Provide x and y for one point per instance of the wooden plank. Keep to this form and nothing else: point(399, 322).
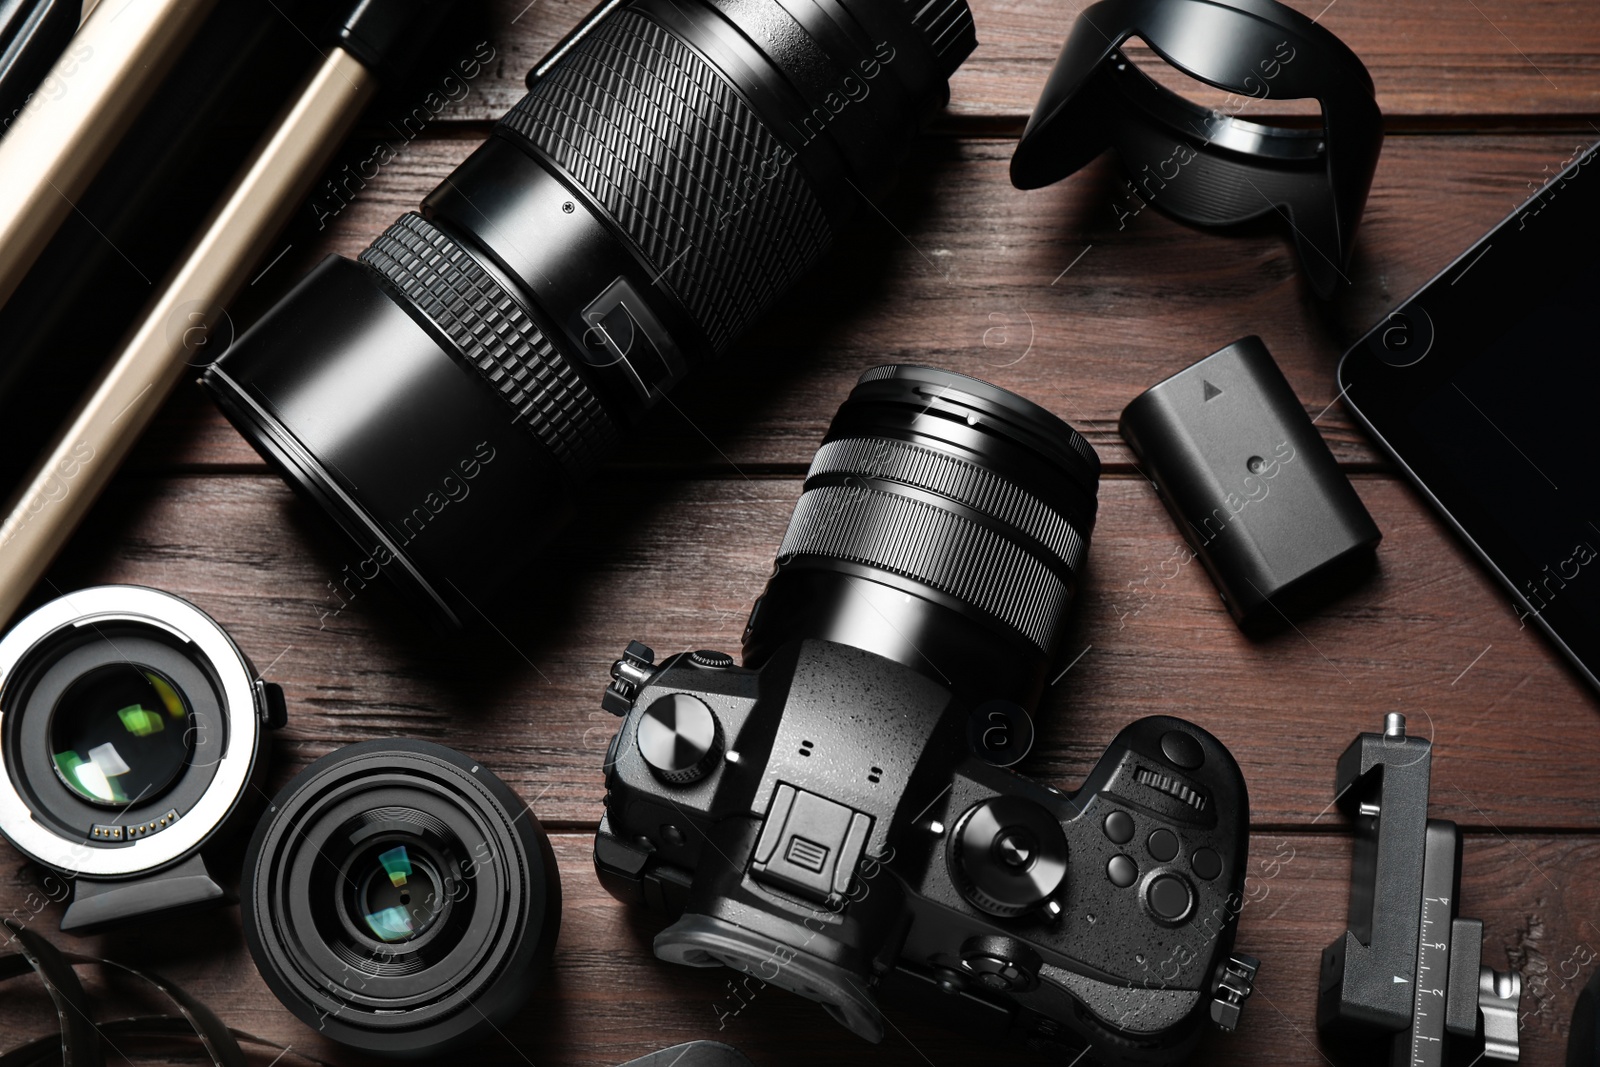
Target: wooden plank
point(1429, 59)
point(677, 564)
point(1040, 292)
point(607, 999)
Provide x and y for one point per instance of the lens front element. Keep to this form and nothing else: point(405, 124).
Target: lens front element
point(120, 735)
point(398, 896)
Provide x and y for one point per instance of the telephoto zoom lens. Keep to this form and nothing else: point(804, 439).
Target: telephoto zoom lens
point(401, 899)
point(675, 166)
point(944, 525)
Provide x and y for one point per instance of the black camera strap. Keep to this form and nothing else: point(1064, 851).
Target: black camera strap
point(79, 1042)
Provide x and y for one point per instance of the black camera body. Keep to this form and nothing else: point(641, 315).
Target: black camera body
point(824, 825)
point(835, 816)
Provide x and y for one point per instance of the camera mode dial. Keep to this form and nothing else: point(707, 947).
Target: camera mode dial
point(679, 738)
point(1008, 855)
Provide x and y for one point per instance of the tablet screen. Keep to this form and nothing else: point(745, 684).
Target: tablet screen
point(1518, 427)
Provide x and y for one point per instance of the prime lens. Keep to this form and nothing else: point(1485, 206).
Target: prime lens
point(131, 730)
point(675, 166)
point(944, 524)
point(401, 899)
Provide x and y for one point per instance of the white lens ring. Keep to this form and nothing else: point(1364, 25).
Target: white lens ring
point(94, 607)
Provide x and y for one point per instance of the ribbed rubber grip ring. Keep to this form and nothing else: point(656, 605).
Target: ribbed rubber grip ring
point(676, 158)
point(494, 335)
point(947, 24)
point(965, 483)
point(931, 545)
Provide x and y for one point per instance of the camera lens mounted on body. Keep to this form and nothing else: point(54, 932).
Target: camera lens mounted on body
point(944, 525)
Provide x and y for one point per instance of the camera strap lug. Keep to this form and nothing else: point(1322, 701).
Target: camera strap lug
point(629, 675)
point(1234, 983)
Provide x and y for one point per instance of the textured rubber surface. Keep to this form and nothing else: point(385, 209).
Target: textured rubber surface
point(492, 332)
point(966, 483)
point(931, 545)
point(685, 169)
point(947, 24)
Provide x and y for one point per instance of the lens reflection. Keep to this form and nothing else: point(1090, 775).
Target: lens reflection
point(119, 735)
point(398, 894)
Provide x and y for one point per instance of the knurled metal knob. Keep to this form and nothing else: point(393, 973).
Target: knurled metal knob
point(1008, 855)
point(679, 738)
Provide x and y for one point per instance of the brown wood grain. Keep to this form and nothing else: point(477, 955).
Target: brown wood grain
point(1431, 61)
point(1483, 100)
point(963, 271)
point(607, 999)
point(678, 563)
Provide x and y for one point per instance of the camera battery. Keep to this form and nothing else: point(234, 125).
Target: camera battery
point(1250, 483)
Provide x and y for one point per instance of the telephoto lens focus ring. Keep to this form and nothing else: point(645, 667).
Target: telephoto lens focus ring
point(496, 337)
point(675, 167)
point(944, 524)
point(401, 900)
point(948, 28)
point(667, 147)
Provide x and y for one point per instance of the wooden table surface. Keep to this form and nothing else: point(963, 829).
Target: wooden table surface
point(1483, 100)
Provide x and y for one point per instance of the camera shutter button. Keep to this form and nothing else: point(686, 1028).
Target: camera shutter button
point(679, 738)
point(1182, 750)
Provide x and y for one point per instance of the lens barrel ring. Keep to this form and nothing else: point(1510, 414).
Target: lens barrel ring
point(947, 24)
point(982, 490)
point(664, 143)
point(944, 524)
point(932, 545)
point(495, 336)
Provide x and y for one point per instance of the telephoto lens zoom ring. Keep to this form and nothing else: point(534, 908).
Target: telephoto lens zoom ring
point(495, 335)
point(965, 483)
point(663, 142)
point(929, 544)
point(948, 28)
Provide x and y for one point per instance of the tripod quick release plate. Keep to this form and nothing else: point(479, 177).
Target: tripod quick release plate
point(1408, 974)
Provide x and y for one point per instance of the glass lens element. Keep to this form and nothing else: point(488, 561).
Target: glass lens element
point(120, 735)
point(398, 896)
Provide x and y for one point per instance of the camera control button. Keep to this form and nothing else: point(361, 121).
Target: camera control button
point(679, 738)
point(1163, 845)
point(1182, 750)
point(1122, 871)
point(1206, 863)
point(1119, 827)
point(710, 659)
point(1008, 855)
point(1169, 898)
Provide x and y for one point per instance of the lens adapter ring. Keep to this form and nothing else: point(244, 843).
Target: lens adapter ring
point(139, 606)
point(1204, 166)
point(497, 906)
